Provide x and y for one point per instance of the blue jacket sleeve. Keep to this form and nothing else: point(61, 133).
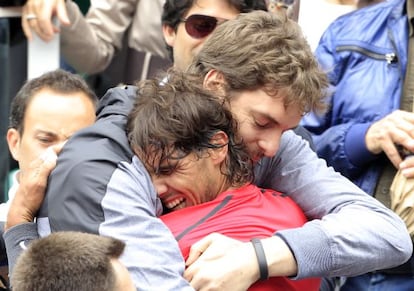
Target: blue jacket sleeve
point(339, 135)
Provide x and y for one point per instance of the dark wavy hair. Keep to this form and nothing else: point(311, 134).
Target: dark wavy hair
point(180, 116)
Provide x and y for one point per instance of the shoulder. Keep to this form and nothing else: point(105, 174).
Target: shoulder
point(362, 21)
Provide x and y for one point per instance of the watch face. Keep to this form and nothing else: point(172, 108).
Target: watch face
point(4, 3)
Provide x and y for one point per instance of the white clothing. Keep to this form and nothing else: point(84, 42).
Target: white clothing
point(4, 207)
point(316, 15)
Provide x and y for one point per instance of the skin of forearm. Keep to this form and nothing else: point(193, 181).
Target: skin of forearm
point(279, 257)
point(18, 213)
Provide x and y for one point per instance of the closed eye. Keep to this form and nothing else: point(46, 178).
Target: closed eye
point(47, 140)
point(262, 125)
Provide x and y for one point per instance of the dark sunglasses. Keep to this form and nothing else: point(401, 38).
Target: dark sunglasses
point(200, 26)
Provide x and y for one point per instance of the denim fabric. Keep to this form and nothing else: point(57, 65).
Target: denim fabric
point(379, 282)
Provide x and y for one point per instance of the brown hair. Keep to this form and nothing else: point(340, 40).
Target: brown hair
point(68, 261)
point(265, 50)
point(179, 115)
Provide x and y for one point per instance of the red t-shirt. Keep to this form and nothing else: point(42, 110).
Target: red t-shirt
point(246, 213)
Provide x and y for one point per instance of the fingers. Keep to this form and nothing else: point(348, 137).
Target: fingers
point(40, 168)
point(26, 24)
point(407, 167)
point(32, 187)
point(189, 273)
point(62, 13)
point(37, 17)
point(49, 158)
point(58, 147)
point(35, 177)
point(395, 129)
point(390, 149)
point(225, 265)
point(197, 249)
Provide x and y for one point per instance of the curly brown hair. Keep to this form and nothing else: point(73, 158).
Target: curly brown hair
point(260, 50)
point(180, 116)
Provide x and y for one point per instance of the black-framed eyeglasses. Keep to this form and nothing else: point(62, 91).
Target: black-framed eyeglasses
point(199, 26)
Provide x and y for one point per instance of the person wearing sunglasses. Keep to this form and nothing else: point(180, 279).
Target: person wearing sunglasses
point(186, 24)
point(89, 43)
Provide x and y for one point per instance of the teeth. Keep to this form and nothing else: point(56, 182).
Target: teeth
point(174, 203)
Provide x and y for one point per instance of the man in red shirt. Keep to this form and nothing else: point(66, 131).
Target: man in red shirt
point(186, 138)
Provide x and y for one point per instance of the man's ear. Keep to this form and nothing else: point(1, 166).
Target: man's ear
point(169, 34)
point(219, 154)
point(13, 141)
point(215, 81)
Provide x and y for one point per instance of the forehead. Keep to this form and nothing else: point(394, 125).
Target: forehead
point(260, 104)
point(154, 157)
point(217, 8)
point(57, 109)
point(47, 99)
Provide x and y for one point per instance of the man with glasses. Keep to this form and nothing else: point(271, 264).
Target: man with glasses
point(97, 187)
point(89, 43)
point(186, 24)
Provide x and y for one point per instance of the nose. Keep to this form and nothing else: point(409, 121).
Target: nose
point(160, 185)
point(269, 145)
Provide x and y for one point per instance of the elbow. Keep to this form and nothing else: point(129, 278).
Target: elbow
point(88, 67)
point(402, 246)
point(407, 250)
point(86, 63)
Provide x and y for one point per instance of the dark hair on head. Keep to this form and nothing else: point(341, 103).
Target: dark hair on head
point(175, 10)
point(365, 3)
point(68, 261)
point(59, 81)
point(265, 51)
point(179, 116)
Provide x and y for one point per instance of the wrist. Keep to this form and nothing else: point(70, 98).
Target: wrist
point(280, 259)
point(261, 259)
point(18, 213)
point(14, 219)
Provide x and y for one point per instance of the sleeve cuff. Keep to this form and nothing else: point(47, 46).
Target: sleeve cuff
point(310, 261)
point(355, 146)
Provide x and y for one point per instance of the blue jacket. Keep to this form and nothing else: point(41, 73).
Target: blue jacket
point(365, 55)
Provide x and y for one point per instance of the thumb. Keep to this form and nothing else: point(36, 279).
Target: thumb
point(49, 156)
point(62, 13)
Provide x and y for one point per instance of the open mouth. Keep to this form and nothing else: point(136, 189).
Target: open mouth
point(175, 204)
